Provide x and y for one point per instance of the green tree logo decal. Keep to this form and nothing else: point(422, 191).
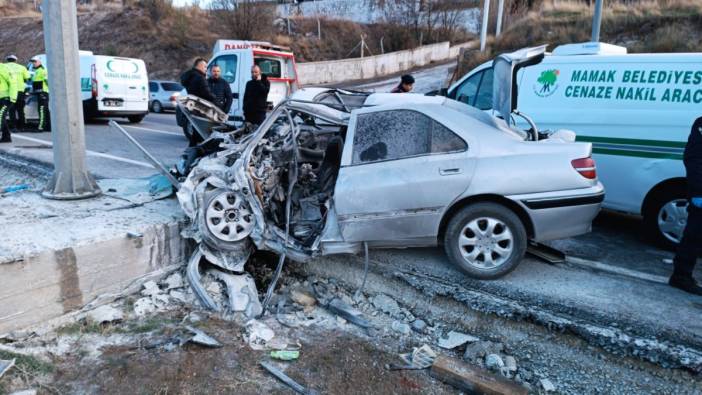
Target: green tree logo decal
point(547, 83)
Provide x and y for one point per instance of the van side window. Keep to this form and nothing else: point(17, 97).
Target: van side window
point(467, 92)
point(484, 98)
point(228, 64)
point(269, 67)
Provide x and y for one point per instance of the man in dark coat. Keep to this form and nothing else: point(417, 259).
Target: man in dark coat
point(195, 81)
point(691, 242)
point(256, 97)
point(220, 89)
point(405, 86)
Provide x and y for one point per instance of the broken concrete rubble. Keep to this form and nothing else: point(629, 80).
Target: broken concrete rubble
point(455, 339)
point(105, 314)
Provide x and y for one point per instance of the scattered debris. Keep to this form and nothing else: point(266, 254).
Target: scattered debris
point(287, 380)
point(25, 392)
point(144, 306)
point(15, 188)
point(202, 338)
point(150, 288)
point(285, 355)
point(105, 314)
point(419, 325)
point(494, 362)
point(387, 305)
point(547, 385)
point(344, 310)
point(303, 298)
point(6, 365)
point(259, 334)
point(401, 327)
point(472, 379)
point(481, 349)
point(455, 339)
point(174, 281)
point(510, 364)
point(421, 357)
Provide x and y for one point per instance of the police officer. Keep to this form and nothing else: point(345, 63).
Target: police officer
point(691, 242)
point(8, 95)
point(40, 86)
point(21, 75)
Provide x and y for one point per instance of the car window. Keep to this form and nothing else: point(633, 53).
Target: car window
point(397, 134)
point(270, 67)
point(228, 64)
point(443, 140)
point(153, 87)
point(171, 86)
point(484, 97)
point(467, 92)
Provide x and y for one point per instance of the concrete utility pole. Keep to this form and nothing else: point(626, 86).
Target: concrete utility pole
point(70, 179)
point(597, 21)
point(500, 10)
point(484, 25)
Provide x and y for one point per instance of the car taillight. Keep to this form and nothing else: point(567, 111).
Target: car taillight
point(93, 81)
point(174, 97)
point(586, 167)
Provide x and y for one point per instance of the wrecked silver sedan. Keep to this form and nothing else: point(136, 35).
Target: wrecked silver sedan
point(322, 176)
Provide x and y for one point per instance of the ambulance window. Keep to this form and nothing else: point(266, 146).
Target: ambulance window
point(484, 97)
point(269, 67)
point(228, 64)
point(467, 92)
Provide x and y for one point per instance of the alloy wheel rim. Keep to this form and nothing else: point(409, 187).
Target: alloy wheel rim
point(486, 243)
point(672, 219)
point(228, 217)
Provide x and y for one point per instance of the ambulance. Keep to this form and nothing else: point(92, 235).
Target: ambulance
point(636, 109)
point(110, 87)
point(236, 57)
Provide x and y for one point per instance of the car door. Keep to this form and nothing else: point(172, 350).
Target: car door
point(400, 169)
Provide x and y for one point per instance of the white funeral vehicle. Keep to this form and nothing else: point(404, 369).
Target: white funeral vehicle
point(636, 110)
point(110, 87)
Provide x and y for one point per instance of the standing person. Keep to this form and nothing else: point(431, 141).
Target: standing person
point(256, 97)
point(8, 95)
point(220, 89)
point(691, 242)
point(21, 75)
point(40, 86)
point(195, 83)
point(405, 86)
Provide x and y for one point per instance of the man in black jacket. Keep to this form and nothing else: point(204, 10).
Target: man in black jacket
point(195, 81)
point(691, 242)
point(256, 97)
point(220, 89)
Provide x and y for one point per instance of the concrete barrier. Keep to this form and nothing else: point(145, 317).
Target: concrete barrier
point(333, 71)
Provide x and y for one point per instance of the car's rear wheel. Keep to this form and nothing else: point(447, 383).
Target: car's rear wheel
point(156, 106)
point(485, 240)
point(666, 216)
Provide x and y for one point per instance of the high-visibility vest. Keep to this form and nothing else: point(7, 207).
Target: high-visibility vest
point(41, 79)
point(8, 85)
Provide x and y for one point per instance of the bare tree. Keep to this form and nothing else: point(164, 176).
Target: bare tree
point(243, 19)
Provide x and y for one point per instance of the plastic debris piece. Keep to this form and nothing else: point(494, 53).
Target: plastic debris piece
point(421, 357)
point(15, 188)
point(6, 365)
point(202, 338)
point(285, 355)
point(345, 311)
point(287, 380)
point(455, 339)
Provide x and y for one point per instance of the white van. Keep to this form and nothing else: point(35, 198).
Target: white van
point(110, 87)
point(236, 57)
point(636, 109)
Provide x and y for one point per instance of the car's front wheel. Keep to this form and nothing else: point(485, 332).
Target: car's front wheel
point(485, 240)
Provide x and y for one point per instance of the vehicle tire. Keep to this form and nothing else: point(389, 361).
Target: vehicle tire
point(136, 118)
point(665, 216)
point(485, 240)
point(225, 219)
point(156, 107)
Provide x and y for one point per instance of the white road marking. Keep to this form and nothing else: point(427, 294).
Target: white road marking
point(586, 263)
point(153, 130)
point(88, 152)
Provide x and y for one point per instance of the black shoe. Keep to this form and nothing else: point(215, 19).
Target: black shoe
point(685, 283)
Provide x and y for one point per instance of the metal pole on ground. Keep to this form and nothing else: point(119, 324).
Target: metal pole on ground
point(597, 21)
point(484, 25)
point(71, 179)
point(500, 10)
